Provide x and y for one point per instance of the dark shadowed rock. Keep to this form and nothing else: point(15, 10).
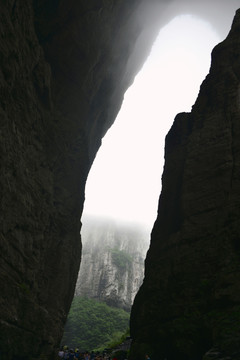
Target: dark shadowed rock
point(63, 75)
point(52, 124)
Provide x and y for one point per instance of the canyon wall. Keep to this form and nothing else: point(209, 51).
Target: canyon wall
point(65, 66)
point(112, 264)
point(62, 82)
point(188, 307)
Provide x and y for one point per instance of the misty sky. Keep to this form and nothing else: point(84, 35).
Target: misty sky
point(125, 180)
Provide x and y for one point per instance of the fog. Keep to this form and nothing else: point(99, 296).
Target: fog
point(125, 179)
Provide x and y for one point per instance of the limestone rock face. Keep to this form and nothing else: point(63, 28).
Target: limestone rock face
point(112, 264)
point(189, 303)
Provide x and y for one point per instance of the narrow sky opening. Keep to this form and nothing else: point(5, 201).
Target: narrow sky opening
point(125, 179)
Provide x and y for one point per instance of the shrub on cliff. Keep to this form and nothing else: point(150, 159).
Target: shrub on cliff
point(121, 259)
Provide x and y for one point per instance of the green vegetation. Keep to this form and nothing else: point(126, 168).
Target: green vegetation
point(120, 258)
point(93, 325)
point(118, 339)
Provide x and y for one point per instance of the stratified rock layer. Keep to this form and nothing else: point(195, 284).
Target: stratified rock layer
point(189, 303)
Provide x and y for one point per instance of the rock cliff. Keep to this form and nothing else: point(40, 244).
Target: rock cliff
point(189, 304)
point(60, 63)
point(112, 264)
point(65, 65)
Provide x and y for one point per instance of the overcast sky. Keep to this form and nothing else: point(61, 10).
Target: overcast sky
point(125, 180)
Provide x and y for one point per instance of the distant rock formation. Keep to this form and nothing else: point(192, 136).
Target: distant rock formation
point(112, 265)
point(189, 303)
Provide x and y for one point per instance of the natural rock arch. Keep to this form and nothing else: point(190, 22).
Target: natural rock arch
point(64, 68)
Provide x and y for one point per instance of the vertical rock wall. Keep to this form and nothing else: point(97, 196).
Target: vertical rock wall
point(112, 263)
point(189, 303)
point(59, 70)
point(40, 200)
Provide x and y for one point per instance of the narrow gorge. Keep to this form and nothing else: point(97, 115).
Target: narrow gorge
point(64, 69)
